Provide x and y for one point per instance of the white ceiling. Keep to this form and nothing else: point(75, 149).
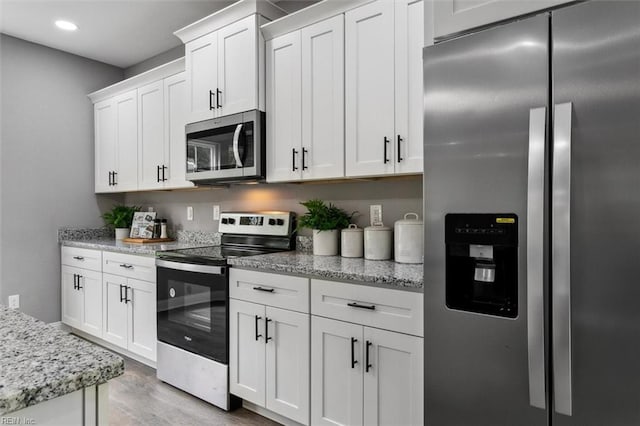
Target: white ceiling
point(117, 32)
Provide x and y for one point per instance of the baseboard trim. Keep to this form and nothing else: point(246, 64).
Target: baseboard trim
point(269, 414)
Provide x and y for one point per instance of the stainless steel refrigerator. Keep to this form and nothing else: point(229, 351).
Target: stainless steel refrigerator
point(532, 221)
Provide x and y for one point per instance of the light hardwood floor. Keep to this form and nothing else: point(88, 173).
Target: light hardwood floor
point(139, 398)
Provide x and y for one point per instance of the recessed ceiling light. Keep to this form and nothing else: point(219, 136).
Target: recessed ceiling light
point(66, 25)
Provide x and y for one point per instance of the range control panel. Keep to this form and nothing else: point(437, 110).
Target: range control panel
point(257, 223)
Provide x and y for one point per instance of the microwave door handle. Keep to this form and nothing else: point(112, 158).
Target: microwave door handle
point(236, 153)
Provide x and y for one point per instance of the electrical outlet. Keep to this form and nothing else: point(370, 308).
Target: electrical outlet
point(14, 301)
point(189, 213)
point(216, 212)
point(375, 213)
point(150, 209)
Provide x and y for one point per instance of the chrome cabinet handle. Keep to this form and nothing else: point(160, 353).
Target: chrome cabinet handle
point(535, 256)
point(561, 258)
point(357, 305)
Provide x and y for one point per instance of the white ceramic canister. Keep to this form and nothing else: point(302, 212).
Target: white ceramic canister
point(408, 237)
point(352, 241)
point(378, 242)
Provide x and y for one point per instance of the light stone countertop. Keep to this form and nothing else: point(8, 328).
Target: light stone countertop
point(39, 362)
point(383, 273)
point(109, 244)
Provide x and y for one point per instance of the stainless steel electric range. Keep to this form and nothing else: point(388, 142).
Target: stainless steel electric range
point(193, 300)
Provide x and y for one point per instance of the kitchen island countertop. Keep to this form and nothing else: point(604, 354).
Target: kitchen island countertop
point(39, 362)
point(384, 273)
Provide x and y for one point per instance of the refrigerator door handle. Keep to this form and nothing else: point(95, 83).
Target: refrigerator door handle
point(560, 254)
point(535, 256)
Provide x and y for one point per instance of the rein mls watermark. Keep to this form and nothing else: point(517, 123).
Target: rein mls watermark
point(17, 421)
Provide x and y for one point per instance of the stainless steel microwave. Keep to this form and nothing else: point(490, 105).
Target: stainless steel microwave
point(226, 149)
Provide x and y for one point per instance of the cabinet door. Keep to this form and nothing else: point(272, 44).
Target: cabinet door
point(323, 99)
point(71, 298)
point(287, 364)
point(237, 67)
point(142, 318)
point(369, 89)
point(91, 291)
point(151, 135)
point(115, 312)
point(201, 65)
point(127, 141)
point(409, 39)
point(247, 351)
point(455, 16)
point(175, 118)
point(393, 385)
point(336, 375)
point(284, 125)
point(105, 144)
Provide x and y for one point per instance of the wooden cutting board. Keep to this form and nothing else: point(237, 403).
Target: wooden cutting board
point(147, 240)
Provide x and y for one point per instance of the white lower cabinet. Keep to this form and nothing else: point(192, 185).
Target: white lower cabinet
point(364, 376)
point(269, 350)
point(130, 314)
point(82, 299)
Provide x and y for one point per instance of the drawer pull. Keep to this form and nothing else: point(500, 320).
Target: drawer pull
point(126, 266)
point(78, 257)
point(357, 305)
point(268, 290)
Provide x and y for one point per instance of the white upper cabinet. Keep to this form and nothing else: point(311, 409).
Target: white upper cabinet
point(175, 119)
point(383, 99)
point(409, 35)
point(305, 99)
point(458, 16)
point(139, 131)
point(150, 135)
point(284, 119)
point(369, 83)
point(201, 64)
point(224, 54)
point(323, 99)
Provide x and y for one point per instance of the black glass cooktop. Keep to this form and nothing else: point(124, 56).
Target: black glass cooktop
point(211, 255)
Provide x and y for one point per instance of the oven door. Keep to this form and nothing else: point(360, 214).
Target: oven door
point(192, 307)
point(222, 148)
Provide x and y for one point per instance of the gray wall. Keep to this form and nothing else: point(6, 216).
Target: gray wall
point(155, 61)
point(397, 196)
point(46, 165)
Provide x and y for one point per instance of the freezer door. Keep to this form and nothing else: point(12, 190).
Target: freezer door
point(596, 214)
point(486, 98)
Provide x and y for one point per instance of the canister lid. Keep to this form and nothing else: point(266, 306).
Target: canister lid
point(352, 228)
point(407, 221)
point(377, 227)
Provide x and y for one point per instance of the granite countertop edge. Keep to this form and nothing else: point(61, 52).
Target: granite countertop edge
point(41, 362)
point(129, 248)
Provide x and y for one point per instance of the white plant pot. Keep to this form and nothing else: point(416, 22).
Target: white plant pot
point(122, 233)
point(325, 243)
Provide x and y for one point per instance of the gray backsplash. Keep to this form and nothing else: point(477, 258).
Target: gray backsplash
point(396, 195)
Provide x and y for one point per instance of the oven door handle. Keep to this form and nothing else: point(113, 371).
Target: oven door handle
point(236, 152)
point(190, 267)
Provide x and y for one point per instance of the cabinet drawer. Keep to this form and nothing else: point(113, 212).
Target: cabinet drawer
point(131, 266)
point(394, 310)
point(280, 291)
point(81, 258)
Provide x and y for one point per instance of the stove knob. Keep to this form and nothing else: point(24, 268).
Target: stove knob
point(280, 222)
point(224, 220)
point(272, 221)
point(231, 221)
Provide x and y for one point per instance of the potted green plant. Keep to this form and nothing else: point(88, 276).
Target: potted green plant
point(120, 218)
point(325, 220)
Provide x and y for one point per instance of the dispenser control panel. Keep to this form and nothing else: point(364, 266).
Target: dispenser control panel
point(482, 263)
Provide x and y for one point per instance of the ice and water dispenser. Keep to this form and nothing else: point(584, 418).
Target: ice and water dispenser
point(482, 263)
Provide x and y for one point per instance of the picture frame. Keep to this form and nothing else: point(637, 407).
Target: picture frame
point(142, 225)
